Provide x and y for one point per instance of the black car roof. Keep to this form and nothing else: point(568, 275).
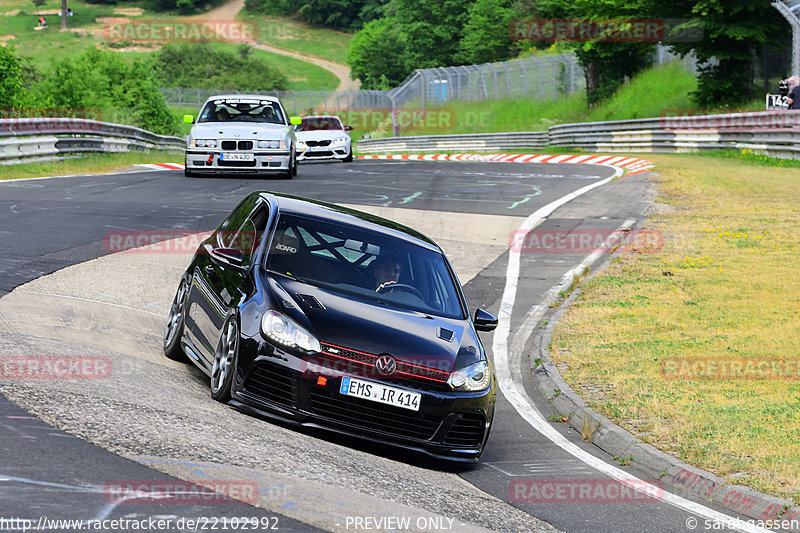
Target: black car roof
point(298, 205)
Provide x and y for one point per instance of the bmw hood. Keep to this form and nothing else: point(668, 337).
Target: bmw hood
point(250, 130)
point(323, 135)
point(343, 322)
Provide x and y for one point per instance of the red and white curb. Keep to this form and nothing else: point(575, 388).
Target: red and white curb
point(163, 166)
point(629, 165)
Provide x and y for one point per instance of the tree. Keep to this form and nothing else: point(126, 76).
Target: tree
point(377, 54)
point(63, 14)
point(606, 65)
point(485, 35)
point(732, 31)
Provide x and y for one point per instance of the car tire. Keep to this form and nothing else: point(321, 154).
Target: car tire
point(225, 361)
point(349, 157)
point(292, 170)
point(175, 323)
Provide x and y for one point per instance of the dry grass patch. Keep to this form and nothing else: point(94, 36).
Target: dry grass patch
point(723, 288)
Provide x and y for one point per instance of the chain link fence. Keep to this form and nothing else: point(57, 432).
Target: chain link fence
point(538, 78)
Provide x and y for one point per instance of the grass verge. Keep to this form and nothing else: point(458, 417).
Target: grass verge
point(721, 290)
point(89, 164)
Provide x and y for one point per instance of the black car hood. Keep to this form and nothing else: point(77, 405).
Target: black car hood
point(350, 323)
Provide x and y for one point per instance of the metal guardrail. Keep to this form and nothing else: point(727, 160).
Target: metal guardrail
point(24, 139)
point(774, 133)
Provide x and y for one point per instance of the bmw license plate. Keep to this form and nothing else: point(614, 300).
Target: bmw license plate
point(226, 156)
point(380, 393)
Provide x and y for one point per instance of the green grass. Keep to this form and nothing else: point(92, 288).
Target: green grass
point(298, 37)
point(720, 288)
point(650, 94)
point(43, 46)
point(89, 164)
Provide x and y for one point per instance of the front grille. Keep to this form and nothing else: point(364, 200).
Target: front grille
point(318, 143)
point(365, 366)
point(374, 416)
point(233, 145)
point(322, 153)
point(272, 383)
point(236, 163)
point(467, 430)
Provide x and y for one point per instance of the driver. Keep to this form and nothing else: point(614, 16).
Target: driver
point(223, 115)
point(385, 271)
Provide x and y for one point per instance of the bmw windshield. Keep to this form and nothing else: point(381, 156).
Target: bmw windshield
point(242, 110)
point(371, 266)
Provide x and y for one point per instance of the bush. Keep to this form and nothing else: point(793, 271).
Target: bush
point(121, 90)
point(198, 65)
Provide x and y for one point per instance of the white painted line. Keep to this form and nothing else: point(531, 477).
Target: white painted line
point(513, 390)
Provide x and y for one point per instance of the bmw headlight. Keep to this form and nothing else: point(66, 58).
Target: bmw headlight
point(340, 140)
point(206, 143)
point(284, 330)
point(272, 145)
point(475, 377)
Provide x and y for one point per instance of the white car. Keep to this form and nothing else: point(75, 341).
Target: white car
point(240, 133)
point(323, 137)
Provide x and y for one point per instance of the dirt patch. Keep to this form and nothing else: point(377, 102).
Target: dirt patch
point(12, 13)
point(4, 38)
point(48, 12)
point(113, 20)
point(128, 11)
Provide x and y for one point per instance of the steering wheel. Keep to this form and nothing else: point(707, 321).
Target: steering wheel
point(410, 288)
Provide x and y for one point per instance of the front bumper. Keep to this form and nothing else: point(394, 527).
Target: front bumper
point(339, 151)
point(449, 425)
point(208, 161)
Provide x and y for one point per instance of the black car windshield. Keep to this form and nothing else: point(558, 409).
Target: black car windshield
point(371, 266)
point(320, 124)
point(242, 110)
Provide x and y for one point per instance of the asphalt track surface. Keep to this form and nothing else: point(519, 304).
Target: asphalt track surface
point(50, 224)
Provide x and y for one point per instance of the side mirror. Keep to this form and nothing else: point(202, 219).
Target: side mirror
point(348, 128)
point(484, 320)
point(228, 258)
point(189, 119)
point(295, 121)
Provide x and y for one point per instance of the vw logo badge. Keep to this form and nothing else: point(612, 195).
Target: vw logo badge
point(386, 365)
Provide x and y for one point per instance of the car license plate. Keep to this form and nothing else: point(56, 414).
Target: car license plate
point(380, 393)
point(225, 156)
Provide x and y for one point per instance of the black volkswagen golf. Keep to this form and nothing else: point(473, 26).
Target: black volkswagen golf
point(329, 317)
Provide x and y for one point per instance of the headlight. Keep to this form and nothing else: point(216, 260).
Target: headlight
point(286, 331)
point(273, 145)
point(475, 377)
point(206, 143)
point(340, 140)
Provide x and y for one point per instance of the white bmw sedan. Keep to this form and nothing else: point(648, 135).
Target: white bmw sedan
point(242, 134)
point(323, 137)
